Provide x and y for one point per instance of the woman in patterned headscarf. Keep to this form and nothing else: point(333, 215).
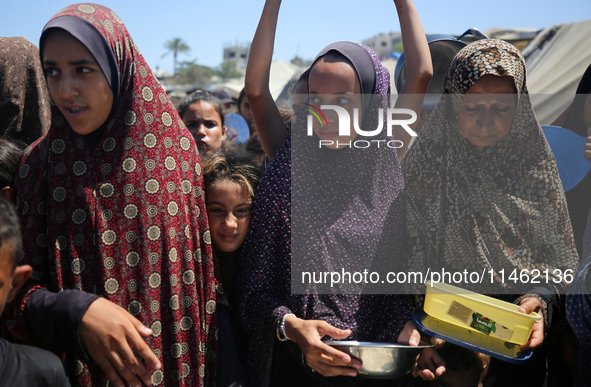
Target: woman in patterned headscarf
point(24, 101)
point(113, 216)
point(483, 186)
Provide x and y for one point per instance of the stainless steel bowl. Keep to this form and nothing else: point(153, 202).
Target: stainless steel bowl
point(380, 360)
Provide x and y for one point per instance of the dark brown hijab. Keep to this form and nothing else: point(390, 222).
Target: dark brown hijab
point(25, 112)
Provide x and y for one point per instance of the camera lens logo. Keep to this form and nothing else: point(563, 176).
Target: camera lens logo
point(394, 117)
point(317, 113)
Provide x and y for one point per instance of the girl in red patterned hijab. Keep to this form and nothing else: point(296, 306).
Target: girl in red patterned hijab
point(114, 221)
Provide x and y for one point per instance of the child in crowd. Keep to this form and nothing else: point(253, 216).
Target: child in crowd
point(203, 114)
point(347, 204)
point(114, 222)
point(21, 365)
point(244, 110)
point(230, 185)
point(255, 149)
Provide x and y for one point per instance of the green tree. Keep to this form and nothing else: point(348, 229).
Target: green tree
point(175, 46)
point(190, 73)
point(229, 69)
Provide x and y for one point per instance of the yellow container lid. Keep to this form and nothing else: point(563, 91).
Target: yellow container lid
point(477, 312)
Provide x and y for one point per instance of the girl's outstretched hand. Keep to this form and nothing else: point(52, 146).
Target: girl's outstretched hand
point(322, 358)
point(110, 335)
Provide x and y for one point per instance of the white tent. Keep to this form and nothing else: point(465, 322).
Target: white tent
point(556, 60)
point(281, 74)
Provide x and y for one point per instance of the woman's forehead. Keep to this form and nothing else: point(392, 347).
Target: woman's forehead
point(493, 84)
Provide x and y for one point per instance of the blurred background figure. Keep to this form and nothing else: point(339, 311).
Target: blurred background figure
point(225, 98)
point(24, 100)
point(244, 110)
point(10, 155)
point(203, 114)
point(577, 118)
point(238, 131)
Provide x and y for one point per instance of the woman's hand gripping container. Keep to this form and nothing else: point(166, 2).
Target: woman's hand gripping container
point(478, 312)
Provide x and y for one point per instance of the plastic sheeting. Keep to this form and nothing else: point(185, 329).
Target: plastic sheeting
point(556, 60)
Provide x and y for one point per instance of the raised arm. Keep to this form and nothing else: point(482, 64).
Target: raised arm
point(270, 126)
point(418, 63)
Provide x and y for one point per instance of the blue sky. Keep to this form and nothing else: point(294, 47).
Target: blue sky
point(305, 26)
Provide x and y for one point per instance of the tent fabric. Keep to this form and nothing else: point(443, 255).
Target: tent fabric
point(281, 74)
point(556, 60)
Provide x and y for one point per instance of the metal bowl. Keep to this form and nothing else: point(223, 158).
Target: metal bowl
point(380, 360)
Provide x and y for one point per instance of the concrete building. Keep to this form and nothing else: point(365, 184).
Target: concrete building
point(384, 44)
point(237, 53)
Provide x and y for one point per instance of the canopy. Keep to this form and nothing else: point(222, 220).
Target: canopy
point(556, 60)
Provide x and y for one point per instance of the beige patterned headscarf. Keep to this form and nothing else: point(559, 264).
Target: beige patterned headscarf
point(492, 208)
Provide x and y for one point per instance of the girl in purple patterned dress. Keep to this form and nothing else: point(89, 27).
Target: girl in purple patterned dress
point(348, 206)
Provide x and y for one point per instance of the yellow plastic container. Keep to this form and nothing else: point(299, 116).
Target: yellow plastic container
point(478, 312)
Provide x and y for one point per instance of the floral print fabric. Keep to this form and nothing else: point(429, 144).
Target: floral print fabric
point(126, 219)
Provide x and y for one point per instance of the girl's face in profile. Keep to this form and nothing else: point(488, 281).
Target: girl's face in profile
point(76, 82)
point(228, 209)
point(486, 112)
point(205, 124)
point(335, 83)
point(244, 110)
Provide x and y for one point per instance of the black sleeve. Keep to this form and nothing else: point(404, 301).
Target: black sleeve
point(549, 301)
point(2, 351)
point(53, 320)
point(30, 366)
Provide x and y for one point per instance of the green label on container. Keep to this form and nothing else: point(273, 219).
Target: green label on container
point(483, 324)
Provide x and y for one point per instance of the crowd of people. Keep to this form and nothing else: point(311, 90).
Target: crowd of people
point(148, 243)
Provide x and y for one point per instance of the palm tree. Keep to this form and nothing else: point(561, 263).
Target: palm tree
point(176, 45)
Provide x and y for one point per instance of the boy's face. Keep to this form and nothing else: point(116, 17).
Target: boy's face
point(11, 278)
point(7, 261)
